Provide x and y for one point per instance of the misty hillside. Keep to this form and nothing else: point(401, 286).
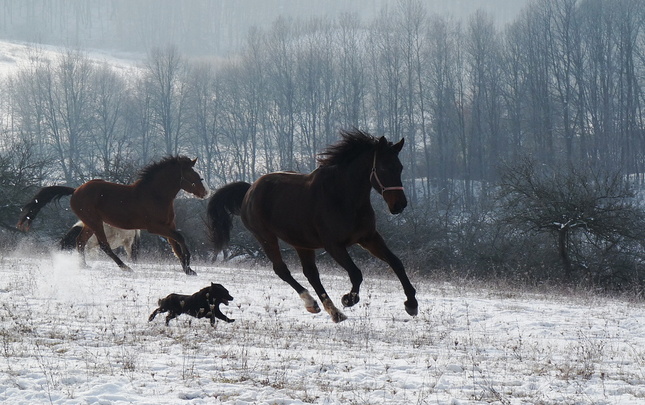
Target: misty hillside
point(195, 27)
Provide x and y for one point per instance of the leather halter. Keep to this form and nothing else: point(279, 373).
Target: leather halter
point(378, 181)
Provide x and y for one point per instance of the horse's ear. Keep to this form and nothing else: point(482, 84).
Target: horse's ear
point(382, 142)
point(193, 162)
point(399, 145)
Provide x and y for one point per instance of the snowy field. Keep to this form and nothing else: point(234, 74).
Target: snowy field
point(15, 55)
point(81, 336)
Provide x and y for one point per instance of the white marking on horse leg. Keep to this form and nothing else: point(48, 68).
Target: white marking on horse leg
point(310, 302)
point(331, 309)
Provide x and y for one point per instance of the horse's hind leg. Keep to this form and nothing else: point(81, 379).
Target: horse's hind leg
point(135, 246)
point(308, 260)
point(272, 250)
point(105, 246)
point(81, 240)
point(340, 254)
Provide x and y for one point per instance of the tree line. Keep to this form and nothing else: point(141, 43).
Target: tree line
point(560, 86)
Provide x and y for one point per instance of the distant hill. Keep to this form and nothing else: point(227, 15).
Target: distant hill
point(16, 54)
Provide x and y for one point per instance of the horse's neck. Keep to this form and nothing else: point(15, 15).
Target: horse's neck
point(164, 188)
point(355, 180)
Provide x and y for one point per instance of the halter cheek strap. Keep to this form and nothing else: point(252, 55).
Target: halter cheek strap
point(184, 179)
point(378, 181)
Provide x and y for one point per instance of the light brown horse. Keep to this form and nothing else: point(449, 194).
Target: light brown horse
point(329, 208)
point(145, 204)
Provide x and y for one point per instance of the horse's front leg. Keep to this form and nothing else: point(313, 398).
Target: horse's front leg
point(377, 247)
point(177, 243)
point(340, 254)
point(180, 249)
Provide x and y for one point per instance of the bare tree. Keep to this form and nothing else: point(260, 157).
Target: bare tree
point(590, 211)
point(109, 139)
point(443, 108)
point(385, 61)
point(165, 69)
point(485, 134)
point(351, 73)
point(204, 115)
point(20, 170)
point(316, 88)
point(282, 67)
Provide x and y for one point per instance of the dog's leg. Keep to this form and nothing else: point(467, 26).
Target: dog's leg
point(217, 313)
point(171, 315)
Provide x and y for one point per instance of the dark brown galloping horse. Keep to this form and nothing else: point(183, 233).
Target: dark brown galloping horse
point(329, 208)
point(145, 204)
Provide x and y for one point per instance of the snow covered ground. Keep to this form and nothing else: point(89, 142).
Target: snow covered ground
point(81, 336)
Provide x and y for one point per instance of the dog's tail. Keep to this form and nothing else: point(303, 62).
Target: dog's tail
point(226, 202)
point(68, 242)
point(42, 198)
point(152, 315)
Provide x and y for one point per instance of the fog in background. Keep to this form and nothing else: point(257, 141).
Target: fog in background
point(524, 129)
point(200, 27)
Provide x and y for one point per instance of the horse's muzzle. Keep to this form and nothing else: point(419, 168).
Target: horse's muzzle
point(396, 201)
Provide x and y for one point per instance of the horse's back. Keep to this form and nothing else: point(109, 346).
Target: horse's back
point(306, 210)
point(280, 192)
point(287, 205)
point(99, 190)
point(111, 202)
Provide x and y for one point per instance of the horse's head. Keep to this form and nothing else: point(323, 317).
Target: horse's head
point(386, 174)
point(191, 181)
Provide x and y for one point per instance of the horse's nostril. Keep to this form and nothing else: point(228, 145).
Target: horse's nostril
point(398, 208)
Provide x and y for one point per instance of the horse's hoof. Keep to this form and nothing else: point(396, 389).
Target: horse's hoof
point(126, 268)
point(314, 309)
point(310, 303)
point(190, 272)
point(338, 317)
point(350, 299)
point(412, 310)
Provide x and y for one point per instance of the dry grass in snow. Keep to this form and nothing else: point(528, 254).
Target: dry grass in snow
point(81, 336)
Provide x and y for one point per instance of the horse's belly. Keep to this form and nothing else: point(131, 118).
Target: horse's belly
point(301, 240)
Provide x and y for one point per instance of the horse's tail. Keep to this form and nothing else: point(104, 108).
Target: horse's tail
point(42, 198)
point(225, 203)
point(68, 242)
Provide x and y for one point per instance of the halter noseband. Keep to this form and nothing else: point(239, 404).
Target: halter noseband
point(378, 181)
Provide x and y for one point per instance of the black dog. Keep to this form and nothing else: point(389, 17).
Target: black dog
point(204, 303)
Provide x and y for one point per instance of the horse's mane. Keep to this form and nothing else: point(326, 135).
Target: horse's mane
point(354, 143)
point(150, 171)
